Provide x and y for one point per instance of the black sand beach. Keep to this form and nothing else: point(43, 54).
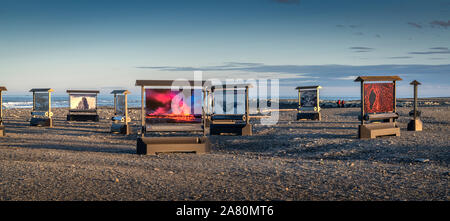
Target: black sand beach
point(293, 160)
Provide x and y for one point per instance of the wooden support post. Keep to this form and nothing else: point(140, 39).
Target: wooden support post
point(34, 102)
point(142, 111)
point(318, 101)
point(96, 103)
point(205, 96)
point(1, 108)
point(208, 101)
point(395, 101)
point(362, 102)
point(299, 100)
point(395, 97)
point(2, 128)
point(415, 124)
point(50, 109)
point(126, 115)
point(247, 109)
point(213, 102)
point(415, 101)
point(115, 104)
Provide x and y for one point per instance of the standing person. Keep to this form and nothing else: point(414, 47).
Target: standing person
point(343, 103)
point(339, 103)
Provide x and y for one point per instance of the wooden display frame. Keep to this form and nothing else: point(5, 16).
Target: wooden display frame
point(39, 117)
point(83, 115)
point(2, 127)
point(313, 114)
point(230, 124)
point(155, 145)
point(415, 124)
point(120, 121)
point(378, 124)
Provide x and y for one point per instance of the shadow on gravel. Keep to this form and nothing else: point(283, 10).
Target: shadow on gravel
point(124, 137)
point(349, 114)
point(76, 147)
point(16, 123)
point(78, 129)
point(332, 136)
point(65, 132)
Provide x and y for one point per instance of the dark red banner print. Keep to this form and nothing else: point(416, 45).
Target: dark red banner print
point(378, 97)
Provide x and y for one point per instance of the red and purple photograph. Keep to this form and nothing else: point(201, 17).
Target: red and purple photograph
point(173, 106)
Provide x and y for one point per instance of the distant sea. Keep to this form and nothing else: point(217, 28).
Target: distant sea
point(26, 101)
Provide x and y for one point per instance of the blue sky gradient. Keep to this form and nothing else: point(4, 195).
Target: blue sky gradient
point(109, 44)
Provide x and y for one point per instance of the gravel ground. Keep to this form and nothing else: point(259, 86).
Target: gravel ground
point(289, 161)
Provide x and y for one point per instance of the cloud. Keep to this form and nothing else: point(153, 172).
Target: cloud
point(443, 24)
point(430, 52)
point(361, 49)
point(358, 33)
point(347, 78)
point(415, 24)
point(400, 57)
point(238, 64)
point(435, 50)
point(439, 48)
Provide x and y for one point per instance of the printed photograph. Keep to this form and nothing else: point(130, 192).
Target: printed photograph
point(166, 105)
point(120, 104)
point(308, 98)
point(83, 102)
point(378, 97)
point(41, 101)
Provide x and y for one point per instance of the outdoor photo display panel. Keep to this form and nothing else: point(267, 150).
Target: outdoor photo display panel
point(172, 106)
point(83, 102)
point(308, 98)
point(41, 101)
point(378, 97)
point(120, 104)
point(230, 100)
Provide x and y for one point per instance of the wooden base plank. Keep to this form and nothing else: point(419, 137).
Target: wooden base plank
point(172, 127)
point(155, 145)
point(370, 131)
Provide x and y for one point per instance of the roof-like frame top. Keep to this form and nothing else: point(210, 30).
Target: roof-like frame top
point(378, 78)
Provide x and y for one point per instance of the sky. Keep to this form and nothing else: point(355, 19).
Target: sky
point(99, 44)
